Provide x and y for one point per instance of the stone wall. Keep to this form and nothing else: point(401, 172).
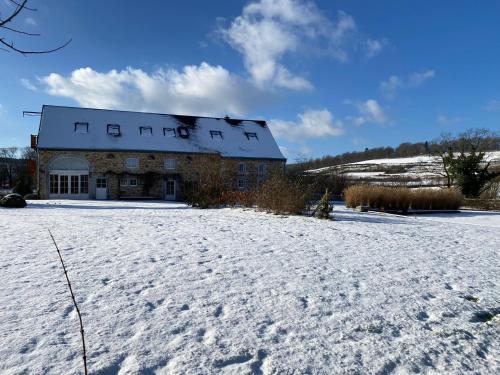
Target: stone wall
point(151, 171)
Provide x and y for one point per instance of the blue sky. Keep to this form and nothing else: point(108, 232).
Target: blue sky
point(328, 76)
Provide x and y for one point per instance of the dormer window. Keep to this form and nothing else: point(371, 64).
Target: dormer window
point(114, 130)
point(169, 132)
point(251, 136)
point(216, 134)
point(146, 130)
point(81, 127)
point(183, 132)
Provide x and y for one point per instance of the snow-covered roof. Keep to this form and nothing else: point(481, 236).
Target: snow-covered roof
point(240, 138)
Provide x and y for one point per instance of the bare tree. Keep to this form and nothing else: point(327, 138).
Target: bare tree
point(442, 148)
point(7, 27)
point(8, 162)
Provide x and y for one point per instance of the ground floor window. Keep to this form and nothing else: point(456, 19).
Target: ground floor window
point(74, 184)
point(54, 184)
point(63, 184)
point(131, 181)
point(68, 183)
point(241, 183)
point(84, 184)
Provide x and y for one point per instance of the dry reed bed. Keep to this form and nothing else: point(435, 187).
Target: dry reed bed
point(402, 199)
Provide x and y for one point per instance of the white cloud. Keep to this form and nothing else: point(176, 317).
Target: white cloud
point(202, 90)
point(31, 21)
point(374, 47)
point(27, 84)
point(492, 106)
point(2, 110)
point(445, 120)
point(284, 150)
point(370, 112)
point(267, 30)
point(390, 87)
point(416, 79)
point(310, 124)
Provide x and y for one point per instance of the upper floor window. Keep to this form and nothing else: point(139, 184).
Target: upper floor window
point(169, 163)
point(131, 163)
point(146, 130)
point(114, 130)
point(242, 168)
point(261, 168)
point(169, 132)
point(251, 136)
point(81, 127)
point(216, 134)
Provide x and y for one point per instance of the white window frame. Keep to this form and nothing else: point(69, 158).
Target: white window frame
point(131, 163)
point(170, 164)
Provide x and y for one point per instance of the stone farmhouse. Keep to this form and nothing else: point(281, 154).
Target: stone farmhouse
point(88, 153)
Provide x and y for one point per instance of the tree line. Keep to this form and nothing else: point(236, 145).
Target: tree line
point(490, 141)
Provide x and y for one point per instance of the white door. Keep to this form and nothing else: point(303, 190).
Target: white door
point(101, 188)
point(170, 190)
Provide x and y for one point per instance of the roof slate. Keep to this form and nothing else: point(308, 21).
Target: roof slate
point(57, 131)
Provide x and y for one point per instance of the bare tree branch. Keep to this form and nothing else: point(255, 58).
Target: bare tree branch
point(24, 52)
point(25, 7)
point(9, 46)
point(13, 15)
point(20, 32)
point(74, 303)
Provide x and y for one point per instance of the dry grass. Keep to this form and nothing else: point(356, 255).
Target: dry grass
point(402, 199)
point(281, 196)
point(239, 198)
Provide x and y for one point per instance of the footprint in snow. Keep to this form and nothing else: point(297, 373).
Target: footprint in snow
point(422, 316)
point(218, 311)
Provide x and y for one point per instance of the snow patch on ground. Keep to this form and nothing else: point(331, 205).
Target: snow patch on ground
point(164, 288)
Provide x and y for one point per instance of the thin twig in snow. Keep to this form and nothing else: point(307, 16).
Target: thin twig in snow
point(74, 302)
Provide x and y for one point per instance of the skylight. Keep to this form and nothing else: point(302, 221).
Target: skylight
point(216, 134)
point(169, 132)
point(114, 130)
point(183, 132)
point(251, 136)
point(146, 130)
point(81, 127)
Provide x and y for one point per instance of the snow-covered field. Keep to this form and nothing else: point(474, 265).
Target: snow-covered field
point(417, 171)
point(168, 289)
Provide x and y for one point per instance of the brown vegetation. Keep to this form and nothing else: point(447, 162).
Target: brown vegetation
point(282, 196)
point(402, 199)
